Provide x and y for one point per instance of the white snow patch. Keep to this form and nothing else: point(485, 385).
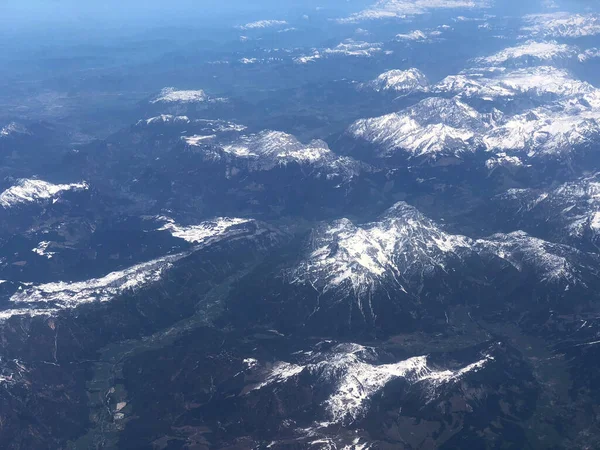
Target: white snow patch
point(42, 250)
point(262, 24)
point(30, 191)
point(199, 234)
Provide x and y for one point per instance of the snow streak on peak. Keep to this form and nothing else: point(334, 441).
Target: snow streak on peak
point(354, 375)
point(392, 9)
point(202, 233)
point(30, 191)
point(400, 81)
point(562, 24)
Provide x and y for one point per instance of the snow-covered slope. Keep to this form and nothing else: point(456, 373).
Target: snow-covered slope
point(546, 131)
point(353, 374)
point(568, 116)
point(503, 160)
point(562, 24)
point(355, 260)
point(34, 299)
point(404, 247)
point(42, 250)
point(203, 128)
point(432, 127)
point(588, 54)
point(165, 119)
point(171, 95)
point(399, 81)
point(531, 52)
point(550, 262)
point(531, 82)
point(204, 232)
point(269, 149)
point(73, 294)
point(31, 191)
point(572, 209)
point(419, 36)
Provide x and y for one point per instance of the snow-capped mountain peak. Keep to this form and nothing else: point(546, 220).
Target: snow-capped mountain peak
point(430, 127)
point(357, 259)
point(399, 81)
